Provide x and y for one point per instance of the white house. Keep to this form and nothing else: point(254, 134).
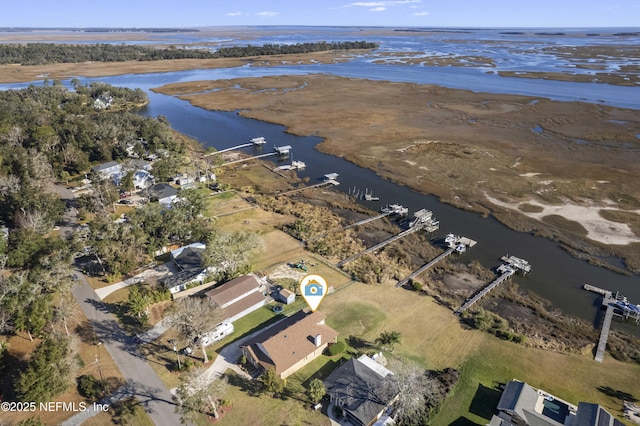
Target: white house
point(111, 170)
point(165, 194)
point(142, 179)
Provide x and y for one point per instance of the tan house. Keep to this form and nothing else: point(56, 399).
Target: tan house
point(290, 344)
point(239, 297)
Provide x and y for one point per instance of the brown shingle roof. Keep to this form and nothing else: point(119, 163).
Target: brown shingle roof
point(233, 289)
point(291, 340)
point(242, 304)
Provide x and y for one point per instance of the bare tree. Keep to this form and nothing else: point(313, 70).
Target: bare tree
point(197, 394)
point(65, 311)
point(194, 317)
point(411, 386)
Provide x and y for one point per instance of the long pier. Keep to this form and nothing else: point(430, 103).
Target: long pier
point(380, 245)
point(326, 182)
point(233, 148)
point(425, 267)
point(604, 334)
point(506, 273)
point(249, 158)
point(612, 302)
point(352, 225)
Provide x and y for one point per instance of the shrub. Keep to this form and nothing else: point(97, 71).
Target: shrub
point(337, 348)
point(88, 386)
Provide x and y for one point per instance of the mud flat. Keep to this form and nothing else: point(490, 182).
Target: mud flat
point(499, 154)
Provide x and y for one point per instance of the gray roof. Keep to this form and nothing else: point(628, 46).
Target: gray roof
point(105, 166)
point(521, 399)
point(190, 259)
point(590, 414)
point(359, 389)
point(161, 190)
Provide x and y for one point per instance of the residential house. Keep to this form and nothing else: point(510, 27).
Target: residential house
point(358, 388)
point(165, 194)
point(103, 101)
point(142, 179)
point(239, 297)
point(188, 261)
point(290, 344)
point(110, 170)
point(286, 296)
point(521, 405)
point(189, 257)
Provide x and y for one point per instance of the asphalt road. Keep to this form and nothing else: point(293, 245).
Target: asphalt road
point(142, 381)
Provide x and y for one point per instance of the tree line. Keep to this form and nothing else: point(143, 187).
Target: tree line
point(46, 53)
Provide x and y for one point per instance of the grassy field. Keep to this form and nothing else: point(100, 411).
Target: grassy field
point(433, 337)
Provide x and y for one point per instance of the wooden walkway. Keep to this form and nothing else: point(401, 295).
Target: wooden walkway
point(467, 304)
point(228, 149)
point(425, 267)
point(362, 222)
point(293, 191)
point(380, 245)
point(604, 333)
point(249, 158)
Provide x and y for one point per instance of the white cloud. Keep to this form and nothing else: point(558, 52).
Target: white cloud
point(267, 13)
point(383, 3)
point(421, 14)
point(378, 9)
point(234, 13)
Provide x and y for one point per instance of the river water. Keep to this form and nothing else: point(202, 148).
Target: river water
point(556, 275)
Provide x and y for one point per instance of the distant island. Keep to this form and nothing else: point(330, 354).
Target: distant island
point(45, 53)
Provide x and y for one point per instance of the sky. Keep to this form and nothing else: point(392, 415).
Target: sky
point(392, 13)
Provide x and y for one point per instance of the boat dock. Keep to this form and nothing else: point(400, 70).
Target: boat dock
point(456, 245)
point(380, 245)
point(330, 179)
point(242, 160)
point(506, 270)
point(615, 304)
point(254, 141)
point(385, 212)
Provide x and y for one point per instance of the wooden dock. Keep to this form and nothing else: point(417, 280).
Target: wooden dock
point(233, 148)
point(255, 157)
point(317, 185)
point(507, 272)
point(612, 302)
point(425, 267)
point(352, 225)
point(604, 333)
point(380, 245)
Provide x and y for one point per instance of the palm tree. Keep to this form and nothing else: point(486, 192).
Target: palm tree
point(388, 339)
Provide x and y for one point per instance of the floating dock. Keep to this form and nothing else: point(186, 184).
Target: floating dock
point(455, 245)
point(615, 304)
point(506, 270)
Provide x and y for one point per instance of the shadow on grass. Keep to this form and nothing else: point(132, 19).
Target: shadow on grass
point(248, 386)
point(463, 421)
point(358, 344)
point(485, 401)
point(617, 394)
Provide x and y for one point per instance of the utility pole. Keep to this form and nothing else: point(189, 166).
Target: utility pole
point(175, 349)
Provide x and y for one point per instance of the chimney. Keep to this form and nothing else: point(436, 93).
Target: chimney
point(317, 340)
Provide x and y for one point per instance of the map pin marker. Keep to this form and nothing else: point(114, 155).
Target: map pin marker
point(313, 289)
